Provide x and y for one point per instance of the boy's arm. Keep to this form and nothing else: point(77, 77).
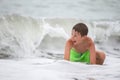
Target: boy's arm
point(68, 46)
point(92, 53)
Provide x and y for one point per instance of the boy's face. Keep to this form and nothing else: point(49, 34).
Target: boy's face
point(76, 37)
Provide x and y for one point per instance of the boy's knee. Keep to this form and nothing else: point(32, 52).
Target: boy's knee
point(103, 55)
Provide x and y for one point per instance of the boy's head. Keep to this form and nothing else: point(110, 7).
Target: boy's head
point(79, 32)
point(81, 28)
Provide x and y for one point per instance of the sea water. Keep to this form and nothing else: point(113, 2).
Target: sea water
point(33, 35)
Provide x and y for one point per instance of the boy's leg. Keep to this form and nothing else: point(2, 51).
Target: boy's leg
point(100, 57)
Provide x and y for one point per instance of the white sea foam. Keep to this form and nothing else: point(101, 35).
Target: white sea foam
point(39, 69)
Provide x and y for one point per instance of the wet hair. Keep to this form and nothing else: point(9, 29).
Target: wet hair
point(81, 28)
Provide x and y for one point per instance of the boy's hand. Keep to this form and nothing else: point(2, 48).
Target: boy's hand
point(70, 42)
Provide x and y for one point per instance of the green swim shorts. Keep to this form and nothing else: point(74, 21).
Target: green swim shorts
point(79, 57)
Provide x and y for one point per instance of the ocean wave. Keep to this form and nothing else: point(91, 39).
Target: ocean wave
point(27, 36)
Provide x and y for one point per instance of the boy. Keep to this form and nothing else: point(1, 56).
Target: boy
point(81, 48)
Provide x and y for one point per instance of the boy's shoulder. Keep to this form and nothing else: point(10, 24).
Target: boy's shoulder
point(88, 40)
